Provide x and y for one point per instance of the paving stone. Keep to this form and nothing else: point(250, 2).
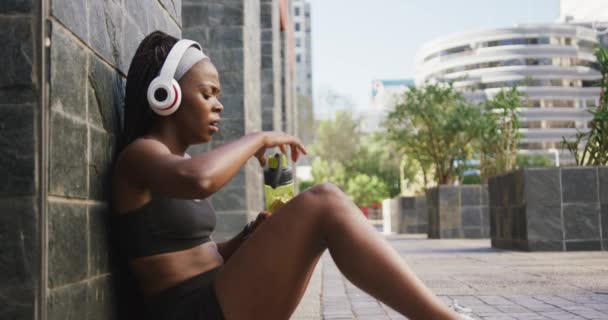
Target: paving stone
point(523, 286)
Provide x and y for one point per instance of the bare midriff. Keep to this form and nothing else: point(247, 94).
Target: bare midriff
point(161, 271)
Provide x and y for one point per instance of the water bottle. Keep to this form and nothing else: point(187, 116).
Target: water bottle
point(278, 182)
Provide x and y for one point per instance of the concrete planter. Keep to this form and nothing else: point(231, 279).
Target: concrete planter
point(553, 209)
point(390, 216)
point(458, 212)
point(414, 216)
point(405, 215)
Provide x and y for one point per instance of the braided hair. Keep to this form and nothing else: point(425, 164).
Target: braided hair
point(145, 66)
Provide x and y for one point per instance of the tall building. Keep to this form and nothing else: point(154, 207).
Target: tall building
point(303, 78)
point(553, 64)
point(588, 11)
point(301, 20)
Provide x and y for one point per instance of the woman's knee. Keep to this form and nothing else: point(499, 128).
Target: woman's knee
point(326, 189)
point(328, 199)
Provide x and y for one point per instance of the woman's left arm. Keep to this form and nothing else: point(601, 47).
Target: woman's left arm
point(227, 248)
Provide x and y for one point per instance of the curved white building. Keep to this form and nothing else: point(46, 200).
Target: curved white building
point(553, 64)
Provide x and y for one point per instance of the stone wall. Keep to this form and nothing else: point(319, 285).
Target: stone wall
point(271, 65)
point(92, 44)
point(289, 99)
point(458, 212)
point(230, 33)
point(58, 136)
point(61, 108)
point(20, 216)
point(555, 209)
point(243, 39)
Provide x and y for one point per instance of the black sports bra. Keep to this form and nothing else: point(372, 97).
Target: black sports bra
point(165, 224)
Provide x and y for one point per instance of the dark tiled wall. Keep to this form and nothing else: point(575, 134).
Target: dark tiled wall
point(20, 253)
point(61, 242)
point(92, 43)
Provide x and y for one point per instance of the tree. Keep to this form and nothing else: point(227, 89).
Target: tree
point(436, 125)
point(498, 142)
point(595, 150)
point(343, 155)
point(537, 160)
point(306, 121)
point(337, 139)
point(329, 171)
point(365, 190)
point(375, 156)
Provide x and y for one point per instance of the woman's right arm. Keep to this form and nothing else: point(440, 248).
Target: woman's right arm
point(152, 166)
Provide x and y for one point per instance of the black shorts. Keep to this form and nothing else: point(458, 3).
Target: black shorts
point(192, 299)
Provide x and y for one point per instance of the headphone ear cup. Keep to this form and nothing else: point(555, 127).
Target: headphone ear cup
point(178, 95)
point(164, 97)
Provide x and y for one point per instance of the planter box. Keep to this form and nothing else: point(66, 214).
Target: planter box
point(390, 216)
point(405, 215)
point(458, 212)
point(414, 216)
point(552, 209)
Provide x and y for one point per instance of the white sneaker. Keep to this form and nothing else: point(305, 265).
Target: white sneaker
point(463, 312)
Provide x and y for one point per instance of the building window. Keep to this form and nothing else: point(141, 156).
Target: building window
point(530, 124)
point(532, 104)
point(590, 83)
point(590, 103)
point(550, 145)
point(297, 11)
point(531, 145)
point(298, 42)
point(297, 26)
point(558, 103)
point(560, 124)
point(298, 58)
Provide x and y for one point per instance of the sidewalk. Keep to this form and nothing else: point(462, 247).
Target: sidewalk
point(495, 284)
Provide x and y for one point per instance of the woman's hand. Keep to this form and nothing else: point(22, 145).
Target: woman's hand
point(262, 216)
point(280, 139)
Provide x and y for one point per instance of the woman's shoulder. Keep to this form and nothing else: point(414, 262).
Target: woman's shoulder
point(128, 192)
point(140, 148)
point(131, 156)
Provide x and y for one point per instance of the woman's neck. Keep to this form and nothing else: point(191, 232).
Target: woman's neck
point(168, 134)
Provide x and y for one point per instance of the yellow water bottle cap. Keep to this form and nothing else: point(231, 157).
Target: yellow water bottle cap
point(273, 162)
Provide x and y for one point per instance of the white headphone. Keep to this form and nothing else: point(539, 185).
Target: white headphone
point(164, 93)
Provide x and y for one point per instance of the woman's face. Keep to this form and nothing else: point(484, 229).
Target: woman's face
point(199, 112)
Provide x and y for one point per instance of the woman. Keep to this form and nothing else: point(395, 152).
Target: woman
point(262, 272)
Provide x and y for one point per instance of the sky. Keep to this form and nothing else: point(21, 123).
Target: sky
point(357, 41)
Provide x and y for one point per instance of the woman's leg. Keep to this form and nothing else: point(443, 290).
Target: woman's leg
point(266, 277)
